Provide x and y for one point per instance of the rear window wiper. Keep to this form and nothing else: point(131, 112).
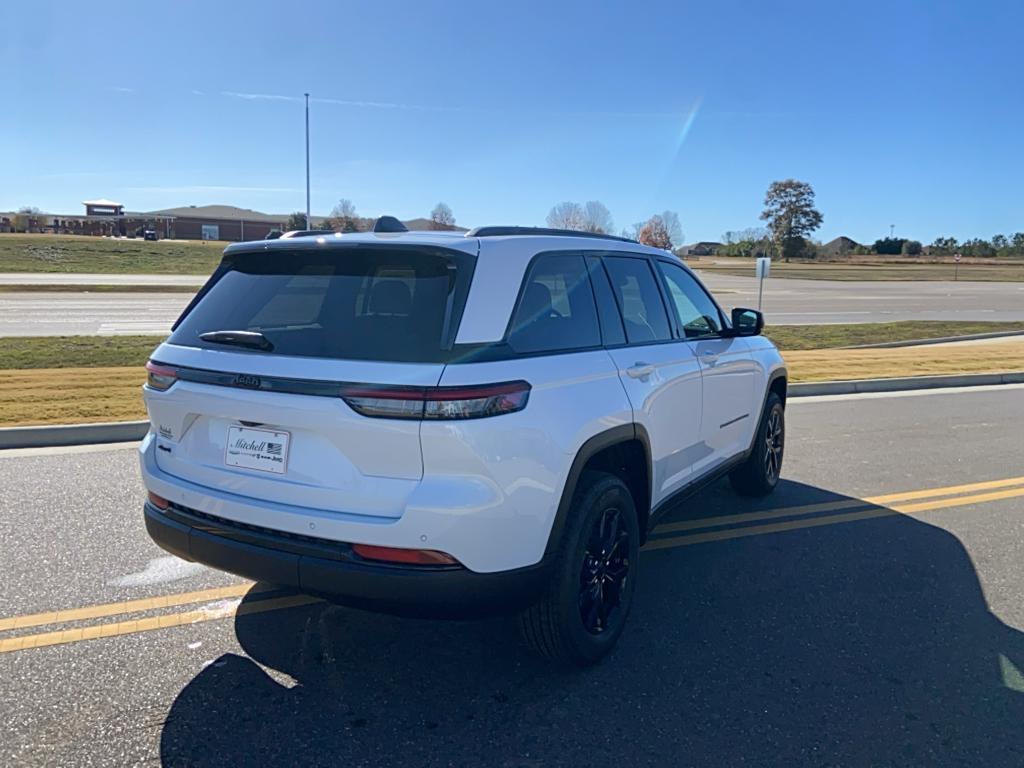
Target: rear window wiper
point(250, 339)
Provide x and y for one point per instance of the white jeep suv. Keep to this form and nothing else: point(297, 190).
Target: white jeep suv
point(448, 425)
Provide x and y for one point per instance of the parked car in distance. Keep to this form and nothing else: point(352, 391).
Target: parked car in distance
point(447, 425)
point(149, 234)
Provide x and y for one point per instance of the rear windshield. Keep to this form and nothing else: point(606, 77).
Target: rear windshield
point(398, 305)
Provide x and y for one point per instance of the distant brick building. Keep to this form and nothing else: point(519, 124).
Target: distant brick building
point(222, 222)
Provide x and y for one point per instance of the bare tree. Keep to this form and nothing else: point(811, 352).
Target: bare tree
point(633, 232)
point(344, 216)
point(597, 218)
point(673, 228)
point(442, 217)
point(567, 215)
point(750, 234)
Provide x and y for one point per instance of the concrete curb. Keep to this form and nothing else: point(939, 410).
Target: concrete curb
point(129, 431)
point(72, 434)
point(908, 383)
point(939, 340)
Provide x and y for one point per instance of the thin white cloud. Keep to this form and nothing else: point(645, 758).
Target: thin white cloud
point(345, 102)
point(198, 93)
point(202, 188)
point(120, 89)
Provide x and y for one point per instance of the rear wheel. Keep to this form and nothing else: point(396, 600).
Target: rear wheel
point(759, 474)
point(582, 612)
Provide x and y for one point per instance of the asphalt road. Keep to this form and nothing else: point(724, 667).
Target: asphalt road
point(885, 632)
point(786, 302)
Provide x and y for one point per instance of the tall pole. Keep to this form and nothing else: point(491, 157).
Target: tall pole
point(309, 222)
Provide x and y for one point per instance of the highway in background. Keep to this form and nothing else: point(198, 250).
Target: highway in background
point(786, 302)
point(868, 613)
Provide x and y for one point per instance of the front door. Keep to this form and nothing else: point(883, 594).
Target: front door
point(728, 415)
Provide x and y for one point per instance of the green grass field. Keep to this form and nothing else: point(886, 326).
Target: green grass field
point(104, 288)
point(992, 270)
point(21, 353)
point(789, 337)
point(76, 253)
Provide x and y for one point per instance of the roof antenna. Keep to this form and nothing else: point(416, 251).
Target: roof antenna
point(389, 224)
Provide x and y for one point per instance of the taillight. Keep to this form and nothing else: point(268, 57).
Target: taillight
point(471, 402)
point(157, 501)
point(160, 377)
point(405, 556)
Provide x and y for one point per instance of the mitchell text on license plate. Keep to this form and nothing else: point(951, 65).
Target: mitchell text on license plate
point(262, 449)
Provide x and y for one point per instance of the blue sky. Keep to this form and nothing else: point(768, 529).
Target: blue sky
point(905, 113)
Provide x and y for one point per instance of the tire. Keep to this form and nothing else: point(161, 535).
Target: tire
point(582, 611)
point(759, 474)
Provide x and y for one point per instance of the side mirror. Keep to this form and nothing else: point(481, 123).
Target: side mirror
point(747, 322)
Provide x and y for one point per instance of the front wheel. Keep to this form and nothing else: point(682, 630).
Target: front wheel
point(759, 474)
point(583, 610)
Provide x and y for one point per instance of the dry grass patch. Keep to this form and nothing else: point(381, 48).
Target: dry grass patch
point(839, 364)
point(70, 395)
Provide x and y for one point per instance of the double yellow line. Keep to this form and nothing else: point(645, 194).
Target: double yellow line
point(887, 505)
point(225, 602)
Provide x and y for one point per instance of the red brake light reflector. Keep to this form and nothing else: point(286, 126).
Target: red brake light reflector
point(157, 501)
point(160, 377)
point(405, 556)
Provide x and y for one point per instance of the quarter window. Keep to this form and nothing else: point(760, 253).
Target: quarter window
point(643, 312)
point(697, 314)
point(556, 310)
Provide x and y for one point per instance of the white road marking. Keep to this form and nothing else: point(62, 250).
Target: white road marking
point(159, 570)
point(908, 393)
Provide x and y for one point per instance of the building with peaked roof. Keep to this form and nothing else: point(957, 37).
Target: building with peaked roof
point(840, 246)
point(223, 222)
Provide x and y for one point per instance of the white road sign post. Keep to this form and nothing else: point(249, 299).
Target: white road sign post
point(956, 269)
point(764, 267)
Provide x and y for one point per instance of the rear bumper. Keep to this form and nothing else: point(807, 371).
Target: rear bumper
point(330, 570)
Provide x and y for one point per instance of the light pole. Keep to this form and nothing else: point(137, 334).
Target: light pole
point(309, 223)
point(892, 227)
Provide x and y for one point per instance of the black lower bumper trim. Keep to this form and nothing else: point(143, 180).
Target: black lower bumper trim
point(405, 591)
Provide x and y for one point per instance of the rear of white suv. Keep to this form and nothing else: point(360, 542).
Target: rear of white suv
point(426, 424)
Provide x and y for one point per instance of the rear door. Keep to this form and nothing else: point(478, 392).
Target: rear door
point(659, 372)
point(728, 371)
point(271, 423)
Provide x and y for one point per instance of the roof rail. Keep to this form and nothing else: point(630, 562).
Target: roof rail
point(389, 224)
point(502, 231)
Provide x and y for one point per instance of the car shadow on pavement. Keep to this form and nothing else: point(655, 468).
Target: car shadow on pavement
point(863, 643)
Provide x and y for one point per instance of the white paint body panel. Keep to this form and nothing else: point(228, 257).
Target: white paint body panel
point(667, 403)
point(485, 491)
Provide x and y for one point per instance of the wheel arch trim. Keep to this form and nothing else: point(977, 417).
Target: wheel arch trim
point(624, 433)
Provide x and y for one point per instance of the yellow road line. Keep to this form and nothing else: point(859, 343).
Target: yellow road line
point(833, 506)
point(125, 606)
point(113, 629)
point(790, 525)
point(116, 629)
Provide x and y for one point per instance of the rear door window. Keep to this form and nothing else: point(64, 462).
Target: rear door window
point(636, 290)
point(556, 309)
point(395, 305)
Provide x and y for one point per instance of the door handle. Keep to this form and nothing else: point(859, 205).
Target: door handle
point(709, 356)
point(639, 370)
